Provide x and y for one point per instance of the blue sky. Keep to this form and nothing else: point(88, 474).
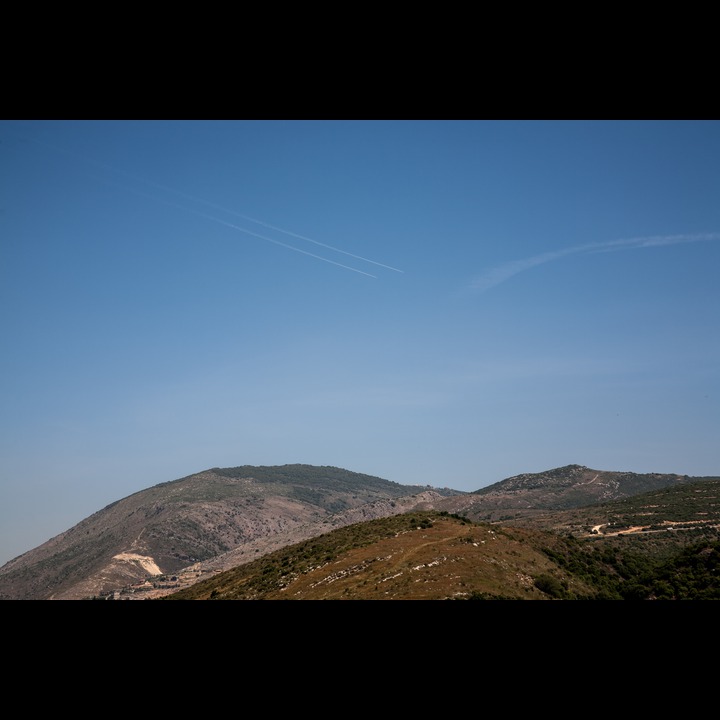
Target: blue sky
point(433, 302)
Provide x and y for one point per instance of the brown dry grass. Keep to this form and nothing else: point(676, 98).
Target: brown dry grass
point(447, 560)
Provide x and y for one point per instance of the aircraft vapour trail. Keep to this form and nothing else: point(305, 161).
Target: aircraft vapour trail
point(258, 222)
point(237, 227)
point(231, 212)
point(301, 237)
point(277, 242)
point(503, 272)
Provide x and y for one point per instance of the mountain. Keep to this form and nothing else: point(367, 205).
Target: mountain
point(432, 555)
point(662, 544)
point(571, 486)
point(420, 555)
point(182, 533)
point(175, 524)
point(654, 523)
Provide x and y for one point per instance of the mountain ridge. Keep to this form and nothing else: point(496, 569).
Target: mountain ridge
point(177, 523)
point(209, 522)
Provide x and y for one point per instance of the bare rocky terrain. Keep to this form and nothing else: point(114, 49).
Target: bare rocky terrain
point(152, 588)
point(176, 534)
point(183, 523)
point(414, 556)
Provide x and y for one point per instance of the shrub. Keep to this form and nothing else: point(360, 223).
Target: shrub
point(550, 586)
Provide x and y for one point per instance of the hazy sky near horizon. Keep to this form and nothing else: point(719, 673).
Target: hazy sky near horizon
point(443, 302)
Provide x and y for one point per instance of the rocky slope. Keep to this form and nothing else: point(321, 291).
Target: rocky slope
point(571, 486)
point(174, 534)
point(177, 524)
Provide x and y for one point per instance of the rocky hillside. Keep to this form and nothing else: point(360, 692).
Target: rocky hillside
point(412, 556)
point(625, 548)
point(176, 524)
point(429, 555)
point(178, 533)
point(571, 486)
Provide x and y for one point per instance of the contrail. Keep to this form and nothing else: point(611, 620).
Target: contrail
point(237, 227)
point(179, 193)
point(285, 245)
point(503, 272)
point(264, 224)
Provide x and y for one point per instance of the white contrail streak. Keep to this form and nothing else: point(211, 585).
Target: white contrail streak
point(237, 227)
point(267, 225)
point(503, 272)
point(165, 188)
point(285, 245)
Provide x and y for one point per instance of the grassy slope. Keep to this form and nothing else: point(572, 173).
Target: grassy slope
point(439, 556)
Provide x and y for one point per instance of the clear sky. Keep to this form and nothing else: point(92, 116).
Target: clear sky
point(446, 303)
